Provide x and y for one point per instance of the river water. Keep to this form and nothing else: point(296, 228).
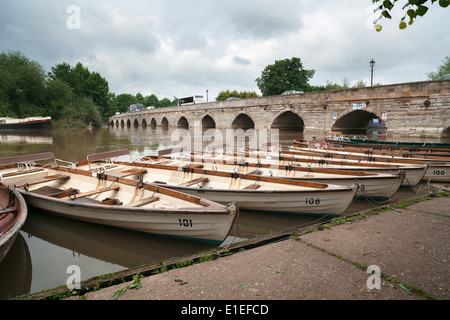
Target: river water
point(48, 245)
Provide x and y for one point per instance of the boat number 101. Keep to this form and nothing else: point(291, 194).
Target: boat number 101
point(312, 201)
point(185, 222)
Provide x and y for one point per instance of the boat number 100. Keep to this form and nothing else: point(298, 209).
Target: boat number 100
point(185, 222)
point(312, 201)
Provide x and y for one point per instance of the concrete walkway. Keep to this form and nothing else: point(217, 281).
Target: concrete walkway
point(410, 247)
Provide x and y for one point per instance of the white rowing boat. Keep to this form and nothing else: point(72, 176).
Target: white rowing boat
point(413, 173)
point(117, 202)
point(13, 214)
point(251, 192)
point(439, 170)
point(374, 185)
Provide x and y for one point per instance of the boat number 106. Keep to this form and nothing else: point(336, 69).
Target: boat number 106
point(185, 222)
point(312, 201)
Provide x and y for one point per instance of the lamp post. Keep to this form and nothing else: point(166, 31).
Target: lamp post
point(372, 63)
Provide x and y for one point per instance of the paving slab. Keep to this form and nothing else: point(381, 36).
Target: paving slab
point(410, 247)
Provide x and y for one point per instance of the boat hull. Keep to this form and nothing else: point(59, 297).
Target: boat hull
point(377, 188)
point(11, 223)
point(208, 228)
point(44, 124)
point(311, 203)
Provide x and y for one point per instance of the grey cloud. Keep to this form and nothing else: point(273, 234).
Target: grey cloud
point(240, 60)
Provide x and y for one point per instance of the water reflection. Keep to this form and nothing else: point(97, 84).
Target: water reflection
point(15, 270)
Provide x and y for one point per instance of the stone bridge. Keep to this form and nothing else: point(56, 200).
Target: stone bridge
point(416, 109)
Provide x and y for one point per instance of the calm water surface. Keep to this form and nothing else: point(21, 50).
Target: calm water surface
point(48, 245)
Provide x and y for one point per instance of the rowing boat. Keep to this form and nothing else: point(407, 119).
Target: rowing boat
point(401, 152)
point(374, 185)
point(413, 173)
point(364, 141)
point(250, 192)
point(73, 193)
point(439, 170)
point(13, 214)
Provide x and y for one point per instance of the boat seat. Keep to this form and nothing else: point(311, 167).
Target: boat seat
point(129, 172)
point(55, 192)
point(41, 180)
point(16, 173)
point(252, 187)
point(192, 182)
point(142, 202)
point(93, 192)
point(4, 212)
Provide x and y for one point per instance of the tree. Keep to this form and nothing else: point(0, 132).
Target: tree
point(224, 95)
point(284, 75)
point(412, 9)
point(123, 101)
point(151, 101)
point(443, 69)
point(22, 85)
point(85, 83)
point(58, 95)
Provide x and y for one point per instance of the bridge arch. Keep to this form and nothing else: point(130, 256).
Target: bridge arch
point(144, 123)
point(446, 132)
point(136, 123)
point(183, 123)
point(288, 120)
point(243, 121)
point(153, 123)
point(354, 121)
point(208, 122)
point(164, 122)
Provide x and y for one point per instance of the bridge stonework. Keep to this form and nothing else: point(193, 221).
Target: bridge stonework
point(416, 109)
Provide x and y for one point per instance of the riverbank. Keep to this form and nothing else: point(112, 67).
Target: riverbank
point(408, 244)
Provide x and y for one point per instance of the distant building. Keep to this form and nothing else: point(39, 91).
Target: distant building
point(136, 107)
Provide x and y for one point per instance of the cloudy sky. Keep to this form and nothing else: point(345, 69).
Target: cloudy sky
point(178, 48)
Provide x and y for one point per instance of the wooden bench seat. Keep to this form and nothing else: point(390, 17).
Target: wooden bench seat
point(17, 173)
point(192, 182)
point(91, 193)
point(40, 180)
point(55, 192)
